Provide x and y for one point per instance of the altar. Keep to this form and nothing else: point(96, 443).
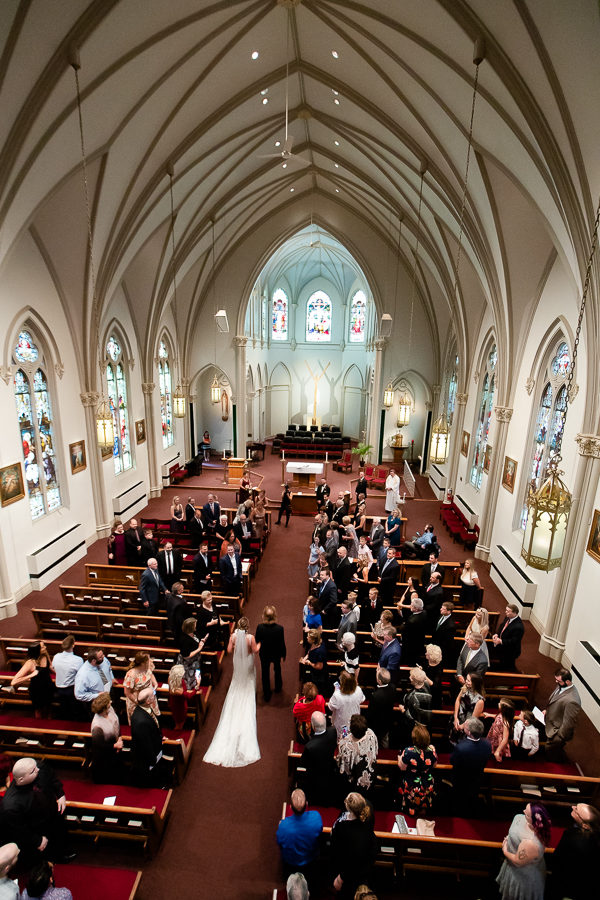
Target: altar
point(303, 474)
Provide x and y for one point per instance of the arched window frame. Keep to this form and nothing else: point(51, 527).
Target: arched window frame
point(118, 396)
point(357, 324)
point(37, 424)
point(548, 417)
point(166, 392)
point(280, 315)
point(324, 335)
point(452, 389)
point(481, 425)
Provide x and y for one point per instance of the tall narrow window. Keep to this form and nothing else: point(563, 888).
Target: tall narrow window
point(549, 421)
point(318, 317)
point(452, 386)
point(117, 396)
point(279, 329)
point(358, 318)
point(482, 423)
point(36, 425)
point(164, 383)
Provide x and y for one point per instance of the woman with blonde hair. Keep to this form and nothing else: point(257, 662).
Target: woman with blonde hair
point(470, 585)
point(177, 516)
point(353, 845)
point(139, 675)
point(480, 624)
point(179, 695)
point(434, 670)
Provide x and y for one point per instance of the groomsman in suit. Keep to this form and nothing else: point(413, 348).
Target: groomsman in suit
point(196, 527)
point(202, 579)
point(211, 512)
point(270, 637)
point(152, 587)
point(230, 567)
point(561, 714)
point(170, 563)
point(343, 573)
point(507, 641)
point(430, 567)
point(443, 634)
point(472, 659)
point(328, 598)
point(432, 595)
point(388, 576)
point(133, 544)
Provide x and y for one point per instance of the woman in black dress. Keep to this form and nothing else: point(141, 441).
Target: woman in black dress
point(209, 623)
point(285, 507)
point(353, 845)
point(315, 661)
point(37, 672)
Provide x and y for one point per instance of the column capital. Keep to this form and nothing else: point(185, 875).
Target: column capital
point(461, 399)
point(90, 398)
point(240, 340)
point(589, 445)
point(379, 344)
point(148, 387)
point(503, 413)
point(436, 388)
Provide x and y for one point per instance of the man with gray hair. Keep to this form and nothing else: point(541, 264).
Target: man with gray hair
point(8, 858)
point(468, 761)
point(317, 759)
point(350, 617)
point(146, 742)
point(351, 660)
point(472, 660)
point(298, 835)
point(296, 887)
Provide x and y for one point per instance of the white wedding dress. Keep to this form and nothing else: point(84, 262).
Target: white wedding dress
point(235, 743)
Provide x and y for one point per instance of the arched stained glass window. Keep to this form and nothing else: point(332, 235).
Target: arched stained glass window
point(549, 421)
point(318, 317)
point(358, 318)
point(117, 397)
point(36, 426)
point(166, 406)
point(482, 423)
point(279, 329)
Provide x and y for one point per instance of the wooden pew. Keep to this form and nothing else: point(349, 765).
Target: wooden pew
point(126, 599)
point(101, 626)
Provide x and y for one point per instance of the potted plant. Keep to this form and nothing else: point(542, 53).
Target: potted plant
point(362, 451)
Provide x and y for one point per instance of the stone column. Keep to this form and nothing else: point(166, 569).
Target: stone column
point(486, 522)
point(90, 402)
point(239, 343)
point(552, 642)
point(457, 430)
point(376, 399)
point(154, 476)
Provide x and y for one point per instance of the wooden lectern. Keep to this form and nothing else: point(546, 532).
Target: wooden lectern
point(235, 470)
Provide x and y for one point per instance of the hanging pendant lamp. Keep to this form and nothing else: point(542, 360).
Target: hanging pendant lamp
point(439, 441)
point(388, 396)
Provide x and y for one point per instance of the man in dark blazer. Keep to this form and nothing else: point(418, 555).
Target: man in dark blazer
point(388, 576)
point(146, 743)
point(375, 538)
point(430, 567)
point(190, 510)
point(152, 588)
point(343, 573)
point(177, 610)
point(202, 569)
point(413, 634)
point(272, 650)
point(230, 566)
point(432, 595)
point(443, 634)
point(391, 653)
point(381, 707)
point(468, 760)
point(196, 528)
point(149, 546)
point(472, 659)
point(170, 563)
point(210, 513)
point(561, 714)
point(133, 544)
point(328, 598)
point(317, 760)
point(243, 531)
point(507, 641)
point(322, 493)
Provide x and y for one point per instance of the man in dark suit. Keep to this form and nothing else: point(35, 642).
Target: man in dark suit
point(328, 598)
point(152, 587)
point(382, 552)
point(376, 535)
point(170, 562)
point(210, 513)
point(272, 650)
point(391, 653)
point(443, 634)
point(322, 493)
point(432, 595)
point(230, 567)
point(243, 532)
point(381, 707)
point(343, 573)
point(468, 760)
point(413, 633)
point(149, 768)
point(374, 606)
point(202, 579)
point(472, 659)
point(561, 714)
point(430, 567)
point(388, 576)
point(196, 528)
point(190, 510)
point(317, 760)
point(133, 544)
point(508, 639)
point(149, 546)
point(575, 860)
point(177, 610)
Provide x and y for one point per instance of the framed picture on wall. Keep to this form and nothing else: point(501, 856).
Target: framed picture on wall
point(140, 431)
point(509, 473)
point(464, 447)
point(11, 484)
point(77, 457)
point(487, 458)
point(106, 453)
point(593, 545)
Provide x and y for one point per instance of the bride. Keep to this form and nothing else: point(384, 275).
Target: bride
point(235, 742)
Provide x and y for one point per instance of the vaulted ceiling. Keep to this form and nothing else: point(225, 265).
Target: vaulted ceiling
point(377, 92)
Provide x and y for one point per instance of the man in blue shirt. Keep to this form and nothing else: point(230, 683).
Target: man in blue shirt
point(298, 836)
point(94, 677)
point(420, 546)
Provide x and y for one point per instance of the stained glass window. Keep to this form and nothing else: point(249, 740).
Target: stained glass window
point(482, 423)
point(117, 398)
point(166, 408)
point(279, 329)
point(358, 318)
point(562, 361)
point(34, 413)
point(452, 388)
point(318, 317)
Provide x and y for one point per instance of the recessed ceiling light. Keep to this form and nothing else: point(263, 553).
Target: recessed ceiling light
point(255, 54)
point(335, 100)
point(337, 143)
point(284, 166)
point(265, 101)
point(333, 91)
point(336, 165)
point(264, 91)
point(337, 190)
point(278, 143)
point(292, 190)
point(335, 54)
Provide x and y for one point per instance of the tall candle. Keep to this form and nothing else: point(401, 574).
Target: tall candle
point(326, 456)
point(283, 454)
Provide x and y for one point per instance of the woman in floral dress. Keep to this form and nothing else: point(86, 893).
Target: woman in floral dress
point(417, 763)
point(357, 755)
